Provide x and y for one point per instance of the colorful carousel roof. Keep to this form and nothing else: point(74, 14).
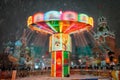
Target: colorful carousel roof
point(60, 22)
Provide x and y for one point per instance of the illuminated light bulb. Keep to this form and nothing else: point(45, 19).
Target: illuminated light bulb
point(59, 61)
point(60, 11)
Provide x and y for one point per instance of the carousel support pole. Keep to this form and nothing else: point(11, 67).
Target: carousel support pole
point(59, 58)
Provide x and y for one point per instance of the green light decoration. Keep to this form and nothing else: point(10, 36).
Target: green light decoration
point(66, 63)
point(54, 25)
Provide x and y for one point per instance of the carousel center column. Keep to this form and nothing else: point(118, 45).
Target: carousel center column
point(60, 48)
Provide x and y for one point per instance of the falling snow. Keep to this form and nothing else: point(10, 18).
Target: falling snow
point(14, 14)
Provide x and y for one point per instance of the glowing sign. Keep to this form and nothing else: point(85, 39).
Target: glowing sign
point(38, 17)
point(90, 21)
point(83, 18)
point(52, 15)
point(60, 42)
point(69, 15)
point(29, 20)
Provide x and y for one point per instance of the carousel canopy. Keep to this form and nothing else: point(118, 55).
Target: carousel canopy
point(53, 22)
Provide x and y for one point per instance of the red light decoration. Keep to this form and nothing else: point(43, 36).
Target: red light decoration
point(58, 63)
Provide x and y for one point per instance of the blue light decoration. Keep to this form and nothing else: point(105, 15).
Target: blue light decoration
point(18, 43)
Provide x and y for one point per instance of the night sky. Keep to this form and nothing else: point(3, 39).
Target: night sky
point(14, 13)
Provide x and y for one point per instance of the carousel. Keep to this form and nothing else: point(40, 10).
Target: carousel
point(60, 25)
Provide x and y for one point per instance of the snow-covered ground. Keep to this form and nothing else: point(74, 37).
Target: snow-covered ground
point(72, 77)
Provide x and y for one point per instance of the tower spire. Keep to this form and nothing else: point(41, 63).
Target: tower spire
point(102, 25)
